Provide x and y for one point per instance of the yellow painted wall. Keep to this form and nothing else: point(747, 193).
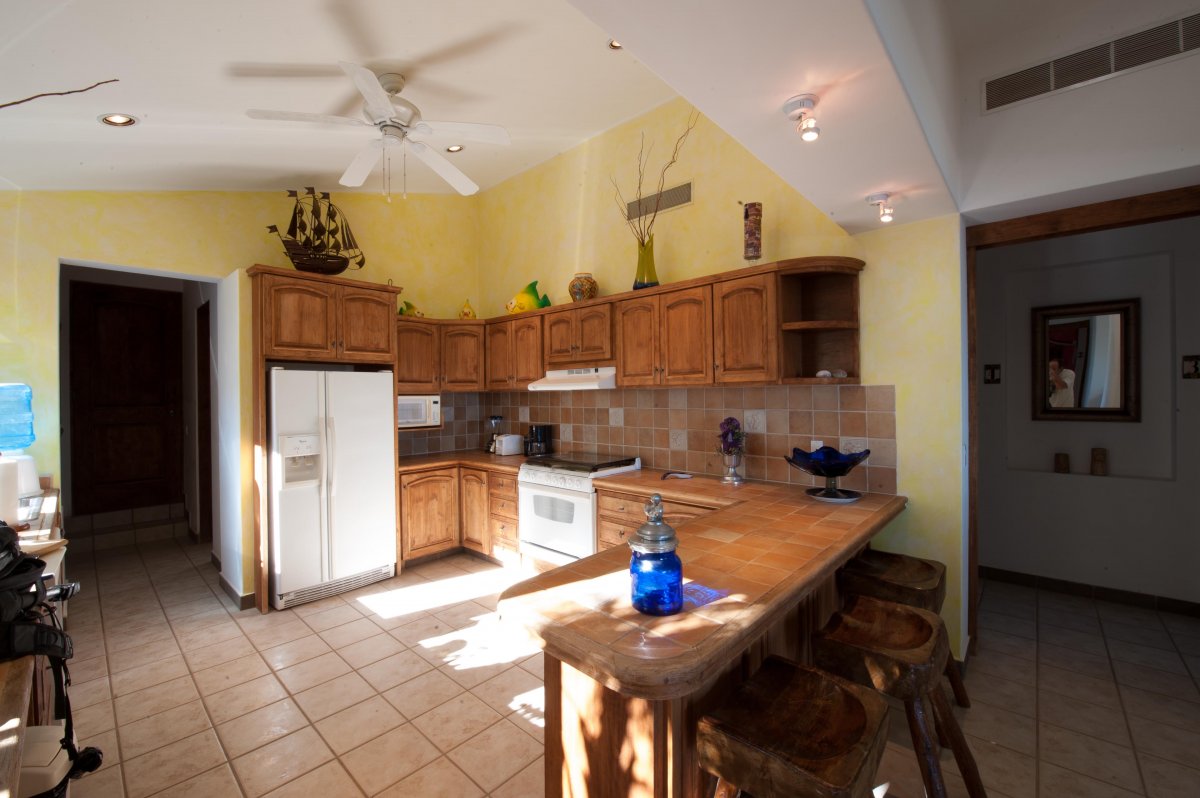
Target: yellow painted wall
point(912, 316)
point(560, 217)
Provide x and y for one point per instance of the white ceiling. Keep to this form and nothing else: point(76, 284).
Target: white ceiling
point(898, 83)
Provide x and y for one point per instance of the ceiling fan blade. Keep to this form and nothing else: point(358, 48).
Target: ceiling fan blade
point(300, 116)
point(360, 168)
point(464, 131)
point(379, 105)
point(446, 170)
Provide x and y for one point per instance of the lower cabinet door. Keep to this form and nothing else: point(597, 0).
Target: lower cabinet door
point(429, 512)
point(473, 498)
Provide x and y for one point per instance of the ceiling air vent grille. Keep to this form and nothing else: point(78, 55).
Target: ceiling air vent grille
point(666, 199)
point(1191, 32)
point(1102, 61)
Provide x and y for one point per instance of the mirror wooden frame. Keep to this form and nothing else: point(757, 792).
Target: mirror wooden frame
point(1131, 376)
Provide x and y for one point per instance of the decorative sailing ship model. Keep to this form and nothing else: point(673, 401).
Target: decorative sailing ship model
point(318, 237)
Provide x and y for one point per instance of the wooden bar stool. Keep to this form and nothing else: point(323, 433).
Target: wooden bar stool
point(793, 731)
point(900, 651)
point(904, 580)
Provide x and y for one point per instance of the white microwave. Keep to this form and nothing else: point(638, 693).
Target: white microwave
point(418, 411)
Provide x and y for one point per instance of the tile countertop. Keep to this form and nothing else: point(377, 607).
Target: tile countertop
point(508, 463)
point(744, 566)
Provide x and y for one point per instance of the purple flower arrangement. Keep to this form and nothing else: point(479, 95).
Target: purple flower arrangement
point(732, 439)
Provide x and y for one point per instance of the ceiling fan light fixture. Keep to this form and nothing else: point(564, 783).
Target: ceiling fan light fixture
point(883, 200)
point(455, 148)
point(118, 120)
point(799, 109)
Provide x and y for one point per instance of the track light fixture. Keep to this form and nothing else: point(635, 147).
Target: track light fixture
point(883, 200)
point(799, 109)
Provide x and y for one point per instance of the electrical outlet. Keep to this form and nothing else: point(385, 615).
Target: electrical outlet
point(814, 445)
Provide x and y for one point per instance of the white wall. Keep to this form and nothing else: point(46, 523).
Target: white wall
point(1136, 529)
point(227, 454)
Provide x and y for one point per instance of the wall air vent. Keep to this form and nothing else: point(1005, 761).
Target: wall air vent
point(1095, 63)
point(670, 198)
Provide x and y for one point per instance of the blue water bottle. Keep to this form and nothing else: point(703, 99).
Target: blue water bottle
point(655, 570)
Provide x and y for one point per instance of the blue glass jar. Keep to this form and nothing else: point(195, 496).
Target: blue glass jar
point(655, 571)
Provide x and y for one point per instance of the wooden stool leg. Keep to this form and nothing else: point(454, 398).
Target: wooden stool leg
point(962, 753)
point(725, 790)
point(954, 673)
point(926, 749)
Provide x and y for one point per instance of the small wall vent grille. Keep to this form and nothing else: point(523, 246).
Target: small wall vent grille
point(671, 198)
point(1095, 63)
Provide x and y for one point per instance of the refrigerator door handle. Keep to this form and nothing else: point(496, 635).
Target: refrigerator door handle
point(331, 448)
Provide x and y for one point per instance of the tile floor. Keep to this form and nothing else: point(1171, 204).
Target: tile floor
point(412, 687)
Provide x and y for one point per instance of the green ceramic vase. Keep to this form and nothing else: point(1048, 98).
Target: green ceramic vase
point(646, 276)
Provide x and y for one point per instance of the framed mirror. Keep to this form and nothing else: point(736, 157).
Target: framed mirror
point(1085, 362)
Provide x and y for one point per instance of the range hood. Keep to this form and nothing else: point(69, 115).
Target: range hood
point(592, 379)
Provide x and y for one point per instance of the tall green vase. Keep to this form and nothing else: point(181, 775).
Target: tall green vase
point(646, 276)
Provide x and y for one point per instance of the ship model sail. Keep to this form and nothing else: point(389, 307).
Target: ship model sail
point(318, 237)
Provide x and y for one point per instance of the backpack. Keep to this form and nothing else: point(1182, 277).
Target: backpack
point(29, 624)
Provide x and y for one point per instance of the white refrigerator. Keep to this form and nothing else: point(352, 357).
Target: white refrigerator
point(332, 438)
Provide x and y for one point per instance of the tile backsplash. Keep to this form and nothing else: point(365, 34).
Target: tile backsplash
point(676, 428)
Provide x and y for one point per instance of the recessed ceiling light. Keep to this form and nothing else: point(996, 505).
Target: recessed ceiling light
point(454, 148)
point(119, 120)
point(613, 44)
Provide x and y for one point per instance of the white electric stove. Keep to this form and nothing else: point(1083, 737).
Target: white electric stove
point(557, 503)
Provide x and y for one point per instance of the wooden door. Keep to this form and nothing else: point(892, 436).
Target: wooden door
point(473, 497)
point(366, 325)
point(527, 364)
point(637, 344)
point(745, 330)
point(499, 356)
point(418, 359)
point(462, 357)
point(595, 333)
point(561, 337)
point(429, 512)
point(299, 319)
point(685, 341)
point(126, 378)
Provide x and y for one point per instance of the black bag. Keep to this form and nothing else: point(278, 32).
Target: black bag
point(29, 625)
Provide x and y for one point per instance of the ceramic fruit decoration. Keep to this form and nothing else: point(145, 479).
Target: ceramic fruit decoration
point(466, 311)
point(409, 309)
point(528, 299)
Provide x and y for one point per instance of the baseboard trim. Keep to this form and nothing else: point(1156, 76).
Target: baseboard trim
point(215, 560)
point(1144, 600)
point(243, 602)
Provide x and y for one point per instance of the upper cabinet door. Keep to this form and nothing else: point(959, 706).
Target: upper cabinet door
point(637, 344)
point(595, 332)
point(300, 319)
point(562, 337)
point(745, 330)
point(498, 346)
point(462, 357)
point(368, 325)
point(417, 356)
point(686, 337)
point(526, 340)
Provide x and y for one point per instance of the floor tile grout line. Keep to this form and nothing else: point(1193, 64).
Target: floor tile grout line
point(1137, 762)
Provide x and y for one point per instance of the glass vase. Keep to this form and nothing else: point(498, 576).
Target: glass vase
point(646, 276)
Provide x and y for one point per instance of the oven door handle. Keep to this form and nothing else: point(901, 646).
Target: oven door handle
point(564, 493)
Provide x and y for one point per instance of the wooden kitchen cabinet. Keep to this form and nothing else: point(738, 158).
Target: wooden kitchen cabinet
point(474, 513)
point(307, 317)
point(514, 353)
point(619, 515)
point(502, 515)
point(745, 330)
point(462, 356)
point(579, 335)
point(819, 322)
point(666, 339)
point(418, 356)
point(429, 512)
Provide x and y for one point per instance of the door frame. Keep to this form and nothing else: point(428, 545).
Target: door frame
point(1160, 206)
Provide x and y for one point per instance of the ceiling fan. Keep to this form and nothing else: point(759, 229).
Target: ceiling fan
point(400, 125)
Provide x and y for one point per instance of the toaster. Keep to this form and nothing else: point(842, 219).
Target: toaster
point(510, 444)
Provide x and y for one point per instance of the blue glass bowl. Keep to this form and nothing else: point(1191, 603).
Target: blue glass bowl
point(826, 461)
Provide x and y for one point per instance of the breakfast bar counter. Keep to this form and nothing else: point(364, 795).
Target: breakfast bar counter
point(624, 690)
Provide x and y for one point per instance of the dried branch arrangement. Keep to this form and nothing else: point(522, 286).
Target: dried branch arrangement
point(56, 93)
point(643, 225)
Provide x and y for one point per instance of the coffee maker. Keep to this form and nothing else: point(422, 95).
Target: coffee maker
point(538, 440)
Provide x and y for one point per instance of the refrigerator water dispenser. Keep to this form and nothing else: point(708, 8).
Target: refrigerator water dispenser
point(301, 461)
